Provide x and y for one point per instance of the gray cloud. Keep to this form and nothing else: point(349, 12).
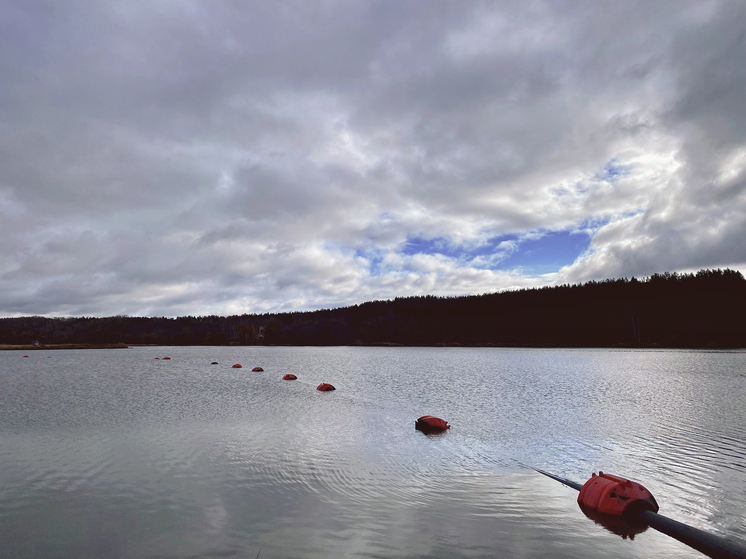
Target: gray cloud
point(697, 216)
point(226, 157)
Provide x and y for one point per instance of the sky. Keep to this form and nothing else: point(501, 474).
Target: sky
point(197, 157)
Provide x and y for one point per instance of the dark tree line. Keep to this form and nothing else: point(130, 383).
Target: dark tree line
point(705, 309)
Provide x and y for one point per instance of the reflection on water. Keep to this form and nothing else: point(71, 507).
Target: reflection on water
point(626, 526)
point(115, 454)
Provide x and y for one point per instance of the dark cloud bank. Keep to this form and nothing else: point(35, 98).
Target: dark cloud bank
point(163, 158)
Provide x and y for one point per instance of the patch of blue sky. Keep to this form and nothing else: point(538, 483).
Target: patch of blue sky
point(538, 254)
point(591, 225)
point(613, 170)
point(549, 252)
point(436, 245)
point(375, 261)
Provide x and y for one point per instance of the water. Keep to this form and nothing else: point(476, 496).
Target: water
point(112, 453)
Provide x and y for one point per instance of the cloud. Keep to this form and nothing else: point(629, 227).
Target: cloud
point(696, 214)
point(227, 157)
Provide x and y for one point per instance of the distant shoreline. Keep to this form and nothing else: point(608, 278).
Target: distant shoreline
point(30, 347)
point(693, 311)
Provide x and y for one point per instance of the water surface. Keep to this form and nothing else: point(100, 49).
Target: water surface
point(112, 453)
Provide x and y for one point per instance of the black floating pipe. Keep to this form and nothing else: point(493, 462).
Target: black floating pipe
point(709, 544)
point(569, 483)
point(715, 546)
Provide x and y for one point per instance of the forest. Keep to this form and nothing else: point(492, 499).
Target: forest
point(706, 309)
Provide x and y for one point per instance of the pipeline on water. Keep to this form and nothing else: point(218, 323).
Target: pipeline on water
point(623, 507)
point(638, 518)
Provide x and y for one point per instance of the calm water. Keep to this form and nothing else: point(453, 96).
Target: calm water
point(112, 453)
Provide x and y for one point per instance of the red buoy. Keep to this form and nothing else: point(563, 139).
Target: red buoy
point(214, 363)
point(325, 387)
point(610, 494)
point(166, 358)
point(289, 376)
point(432, 424)
point(157, 357)
point(25, 355)
point(237, 366)
point(257, 369)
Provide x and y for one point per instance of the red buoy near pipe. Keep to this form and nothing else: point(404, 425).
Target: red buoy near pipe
point(257, 369)
point(432, 424)
point(289, 376)
point(639, 514)
point(325, 387)
point(236, 366)
point(615, 495)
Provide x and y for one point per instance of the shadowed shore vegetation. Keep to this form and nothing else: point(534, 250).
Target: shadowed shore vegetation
point(702, 310)
point(46, 347)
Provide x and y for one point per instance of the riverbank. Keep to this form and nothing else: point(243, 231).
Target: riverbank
point(47, 347)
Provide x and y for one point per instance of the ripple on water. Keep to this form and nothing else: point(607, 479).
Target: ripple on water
point(225, 461)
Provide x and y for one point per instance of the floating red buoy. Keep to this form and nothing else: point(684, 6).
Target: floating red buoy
point(257, 369)
point(610, 494)
point(214, 363)
point(166, 358)
point(237, 366)
point(640, 511)
point(325, 387)
point(432, 424)
point(25, 355)
point(157, 357)
point(289, 376)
